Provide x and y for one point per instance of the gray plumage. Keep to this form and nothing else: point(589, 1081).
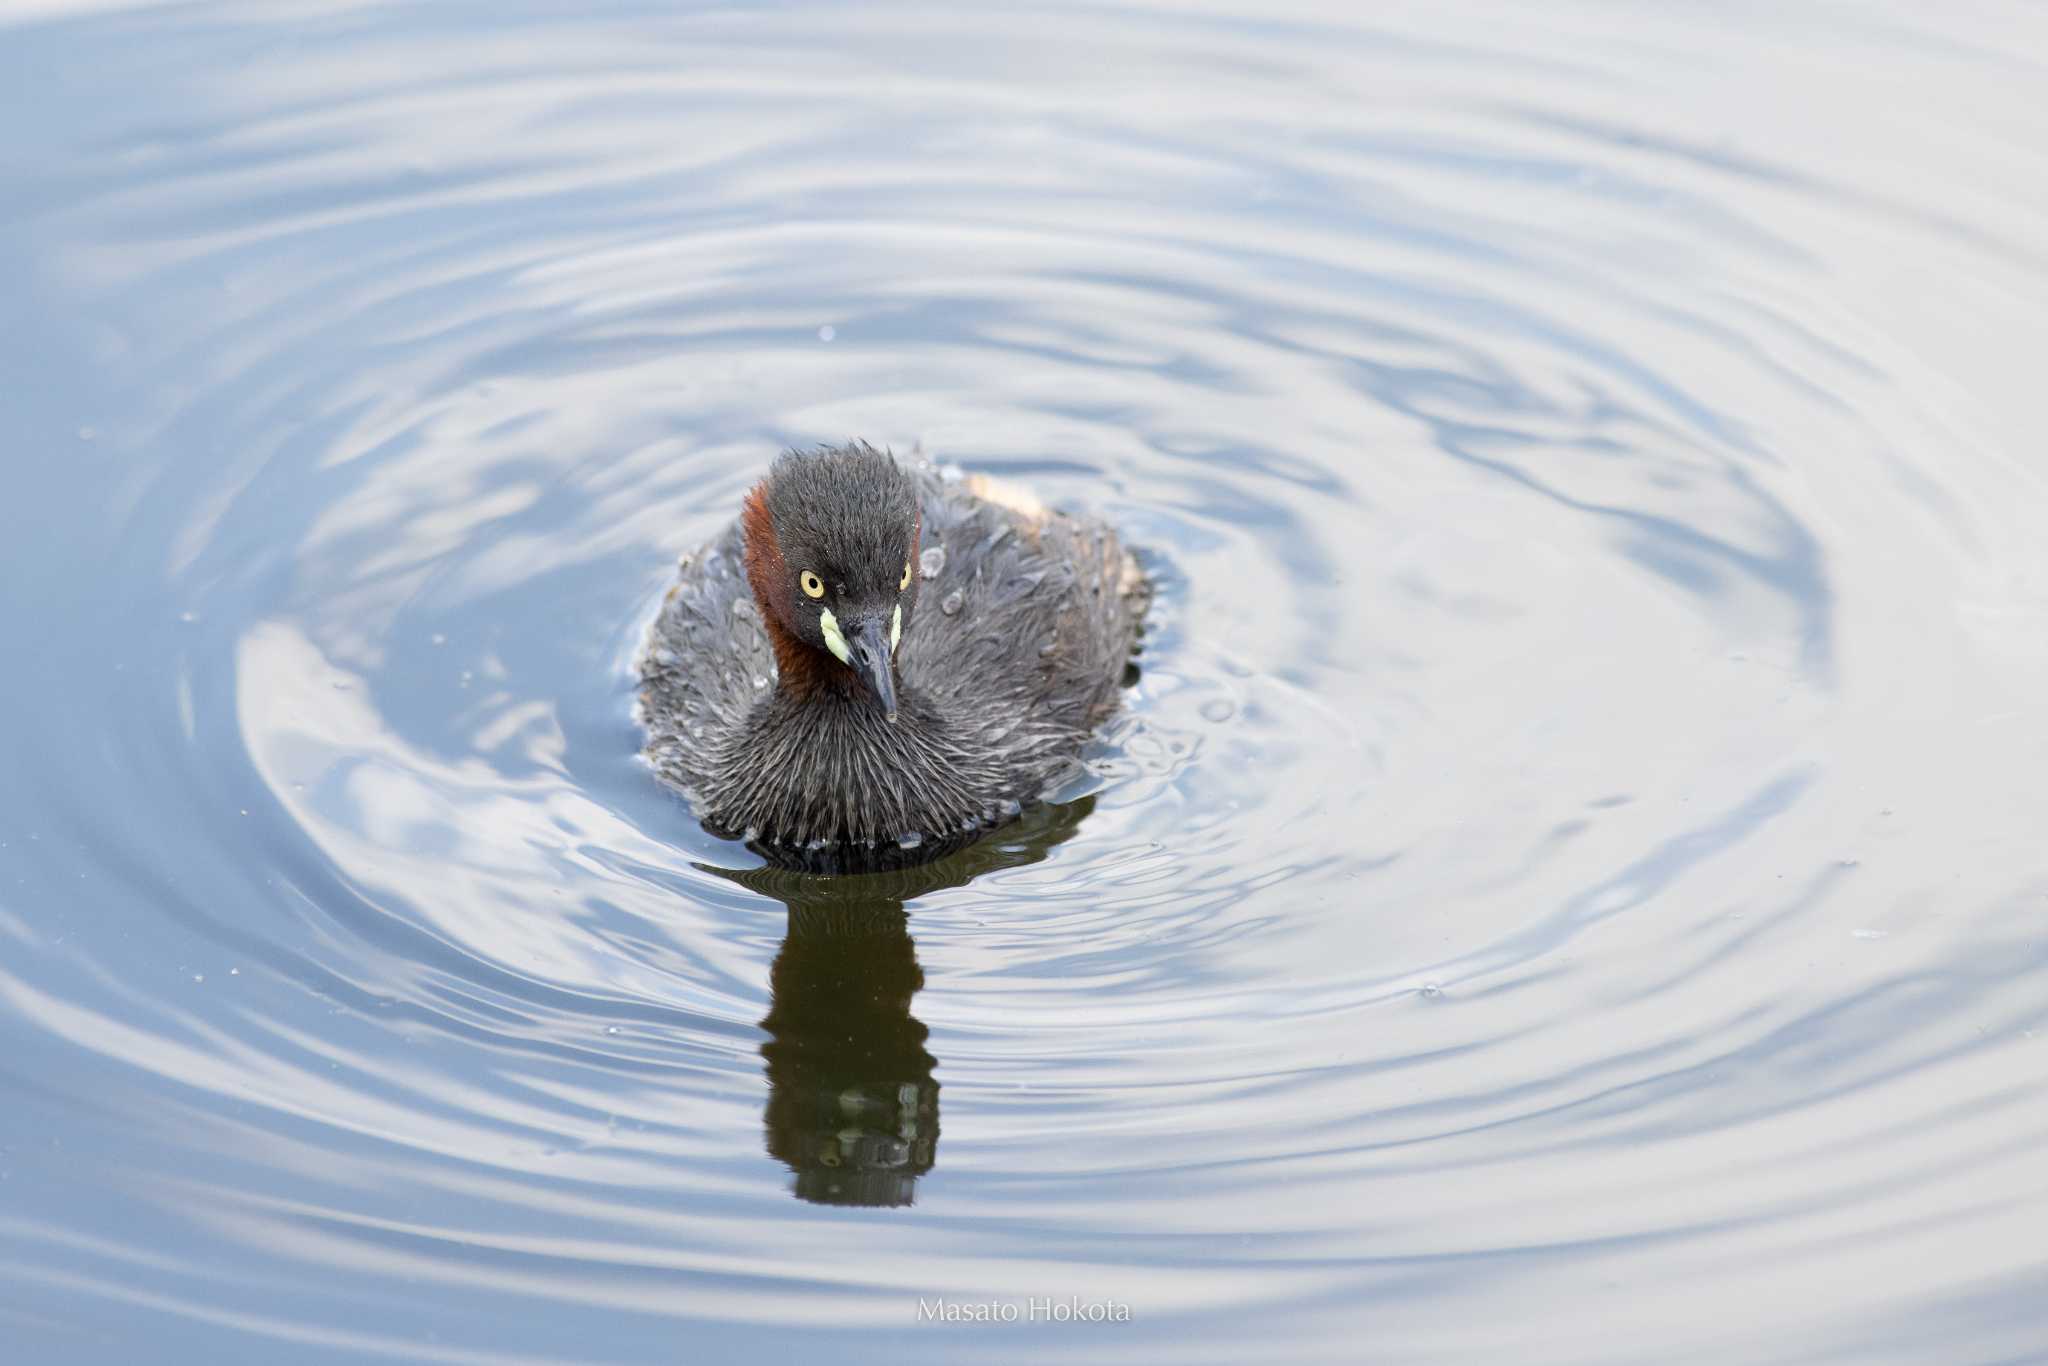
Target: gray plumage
point(1018, 626)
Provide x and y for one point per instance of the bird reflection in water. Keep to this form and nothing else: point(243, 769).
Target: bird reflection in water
point(853, 1109)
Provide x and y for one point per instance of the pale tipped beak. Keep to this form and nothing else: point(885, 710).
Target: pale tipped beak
point(868, 642)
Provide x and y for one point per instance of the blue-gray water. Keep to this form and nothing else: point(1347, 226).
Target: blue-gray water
point(1570, 884)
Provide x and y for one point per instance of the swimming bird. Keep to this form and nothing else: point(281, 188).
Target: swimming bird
point(878, 661)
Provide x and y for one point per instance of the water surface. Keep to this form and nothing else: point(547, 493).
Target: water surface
point(1568, 886)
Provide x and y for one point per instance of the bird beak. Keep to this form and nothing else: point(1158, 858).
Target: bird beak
point(868, 642)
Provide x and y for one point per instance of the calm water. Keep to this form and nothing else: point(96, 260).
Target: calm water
point(1570, 885)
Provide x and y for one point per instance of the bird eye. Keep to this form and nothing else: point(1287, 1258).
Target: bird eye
point(814, 587)
point(906, 577)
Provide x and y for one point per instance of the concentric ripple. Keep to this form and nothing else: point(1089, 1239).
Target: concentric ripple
point(1568, 884)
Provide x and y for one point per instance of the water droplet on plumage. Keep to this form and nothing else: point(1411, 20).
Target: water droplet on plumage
point(909, 840)
point(932, 562)
point(951, 605)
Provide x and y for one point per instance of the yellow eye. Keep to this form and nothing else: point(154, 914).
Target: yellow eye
point(814, 587)
point(906, 577)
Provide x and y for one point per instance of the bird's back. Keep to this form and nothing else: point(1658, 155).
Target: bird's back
point(1029, 618)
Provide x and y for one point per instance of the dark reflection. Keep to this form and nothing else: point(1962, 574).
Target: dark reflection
point(853, 1108)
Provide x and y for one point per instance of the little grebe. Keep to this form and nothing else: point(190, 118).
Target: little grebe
point(793, 687)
